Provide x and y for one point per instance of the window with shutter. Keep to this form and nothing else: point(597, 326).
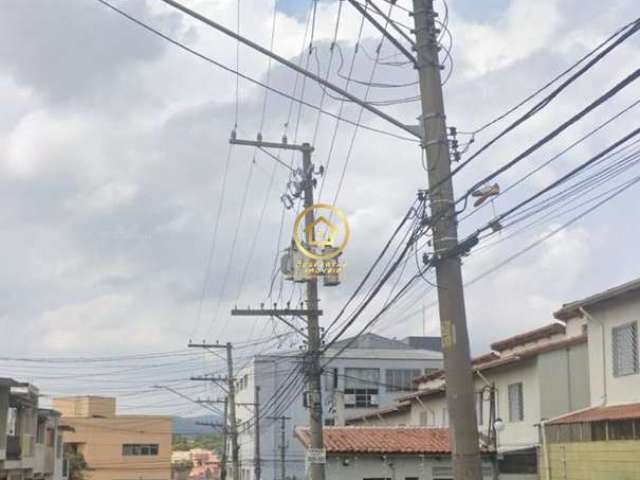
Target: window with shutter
point(625, 349)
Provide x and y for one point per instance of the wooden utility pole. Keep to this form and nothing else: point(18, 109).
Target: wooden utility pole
point(313, 370)
point(230, 404)
point(453, 321)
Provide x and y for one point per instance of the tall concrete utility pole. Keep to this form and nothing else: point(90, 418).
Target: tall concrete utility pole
point(225, 437)
point(453, 322)
point(283, 444)
point(312, 361)
point(230, 404)
point(257, 460)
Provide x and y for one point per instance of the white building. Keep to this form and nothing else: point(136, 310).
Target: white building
point(371, 372)
point(386, 453)
point(527, 378)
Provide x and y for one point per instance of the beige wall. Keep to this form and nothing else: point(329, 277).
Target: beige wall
point(102, 439)
point(86, 406)
point(624, 389)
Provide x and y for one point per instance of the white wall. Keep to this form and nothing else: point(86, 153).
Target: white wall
point(625, 389)
point(396, 467)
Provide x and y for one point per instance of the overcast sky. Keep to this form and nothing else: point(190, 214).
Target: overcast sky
point(113, 144)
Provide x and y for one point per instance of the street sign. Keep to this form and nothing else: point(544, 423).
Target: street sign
point(316, 455)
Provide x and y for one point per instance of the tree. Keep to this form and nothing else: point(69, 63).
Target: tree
point(77, 465)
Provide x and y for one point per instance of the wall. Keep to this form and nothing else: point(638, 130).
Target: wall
point(613, 460)
point(273, 372)
point(86, 406)
point(4, 406)
point(361, 466)
point(613, 313)
point(564, 380)
point(104, 437)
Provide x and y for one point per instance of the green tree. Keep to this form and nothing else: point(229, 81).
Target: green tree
point(77, 466)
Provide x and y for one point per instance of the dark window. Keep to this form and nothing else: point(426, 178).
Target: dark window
point(138, 449)
point(624, 341)
point(621, 430)
point(401, 380)
point(40, 431)
point(599, 431)
point(516, 405)
point(329, 422)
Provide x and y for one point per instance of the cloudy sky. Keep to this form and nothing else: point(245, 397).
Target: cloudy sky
point(113, 153)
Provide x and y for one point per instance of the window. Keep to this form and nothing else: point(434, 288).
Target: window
point(516, 406)
point(625, 349)
point(479, 406)
point(401, 380)
point(331, 380)
point(361, 387)
point(139, 449)
point(40, 431)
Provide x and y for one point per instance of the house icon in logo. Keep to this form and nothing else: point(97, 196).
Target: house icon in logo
point(324, 236)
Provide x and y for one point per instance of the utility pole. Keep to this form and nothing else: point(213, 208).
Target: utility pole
point(231, 404)
point(453, 322)
point(283, 444)
point(314, 370)
point(257, 460)
point(225, 435)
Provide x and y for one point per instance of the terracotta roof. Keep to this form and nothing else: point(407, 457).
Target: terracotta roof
point(596, 414)
point(399, 407)
point(530, 336)
point(572, 309)
point(440, 373)
point(417, 440)
point(534, 351)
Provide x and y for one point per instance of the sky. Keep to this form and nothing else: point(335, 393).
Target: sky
point(114, 148)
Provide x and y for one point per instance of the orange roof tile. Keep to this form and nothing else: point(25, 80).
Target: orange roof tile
point(417, 440)
point(530, 336)
point(597, 414)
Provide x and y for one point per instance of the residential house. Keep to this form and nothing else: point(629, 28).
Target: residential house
point(30, 438)
point(602, 441)
point(524, 379)
point(361, 375)
point(123, 447)
point(388, 453)
point(204, 464)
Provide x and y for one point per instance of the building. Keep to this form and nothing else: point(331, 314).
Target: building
point(388, 453)
point(525, 379)
point(602, 441)
point(116, 447)
point(204, 464)
point(370, 372)
point(30, 437)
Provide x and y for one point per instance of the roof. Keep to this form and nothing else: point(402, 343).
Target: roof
point(424, 343)
point(572, 309)
point(426, 392)
point(8, 382)
point(440, 373)
point(530, 336)
point(372, 341)
point(381, 440)
point(597, 414)
point(494, 360)
point(397, 408)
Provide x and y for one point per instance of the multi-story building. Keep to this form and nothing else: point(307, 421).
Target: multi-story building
point(525, 379)
point(201, 464)
point(116, 447)
point(30, 437)
point(602, 441)
point(370, 372)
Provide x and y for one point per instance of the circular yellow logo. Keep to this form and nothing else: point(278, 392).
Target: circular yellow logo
point(325, 235)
